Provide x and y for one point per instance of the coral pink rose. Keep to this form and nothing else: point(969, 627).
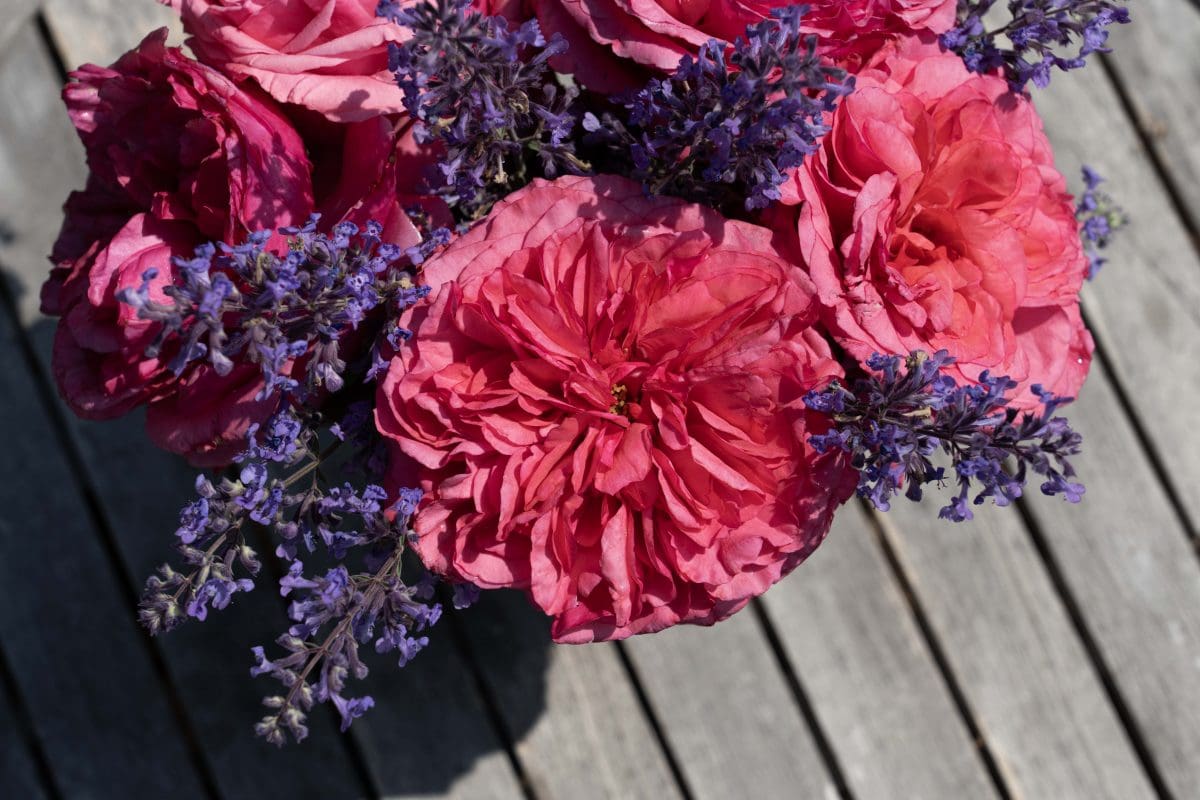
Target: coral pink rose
point(604, 401)
point(932, 217)
point(330, 56)
point(179, 156)
point(326, 55)
point(612, 42)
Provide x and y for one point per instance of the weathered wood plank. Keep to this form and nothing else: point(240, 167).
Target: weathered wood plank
point(141, 489)
point(88, 680)
point(872, 683)
point(429, 735)
point(1156, 59)
point(90, 684)
point(727, 712)
point(1145, 306)
point(1128, 564)
point(98, 31)
point(18, 768)
point(13, 16)
point(1127, 560)
point(571, 710)
point(1007, 638)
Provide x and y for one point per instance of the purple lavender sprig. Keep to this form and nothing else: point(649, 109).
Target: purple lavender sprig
point(335, 612)
point(212, 528)
point(1037, 32)
point(484, 90)
point(1099, 218)
point(893, 421)
point(246, 304)
point(728, 125)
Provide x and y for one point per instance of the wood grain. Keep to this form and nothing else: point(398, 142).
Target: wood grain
point(1026, 678)
point(588, 737)
point(18, 766)
point(75, 651)
point(727, 712)
point(99, 31)
point(1127, 562)
point(849, 633)
point(1157, 61)
point(1145, 306)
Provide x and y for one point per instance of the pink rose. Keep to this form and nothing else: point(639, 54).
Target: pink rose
point(99, 346)
point(381, 173)
point(179, 156)
point(932, 217)
point(326, 55)
point(604, 403)
point(613, 42)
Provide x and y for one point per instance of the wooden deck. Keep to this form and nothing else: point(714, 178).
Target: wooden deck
point(1047, 651)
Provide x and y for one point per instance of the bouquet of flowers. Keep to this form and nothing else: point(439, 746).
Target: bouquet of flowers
point(611, 301)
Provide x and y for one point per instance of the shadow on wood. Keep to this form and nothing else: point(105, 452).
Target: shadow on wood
point(434, 729)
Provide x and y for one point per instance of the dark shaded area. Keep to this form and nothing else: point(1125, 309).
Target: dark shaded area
point(431, 723)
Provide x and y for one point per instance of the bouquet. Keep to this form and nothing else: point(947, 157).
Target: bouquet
point(614, 302)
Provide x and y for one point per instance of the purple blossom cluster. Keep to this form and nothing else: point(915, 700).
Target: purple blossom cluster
point(728, 124)
point(484, 90)
point(893, 422)
point(243, 304)
point(246, 303)
point(1099, 218)
point(335, 612)
point(280, 485)
point(1036, 34)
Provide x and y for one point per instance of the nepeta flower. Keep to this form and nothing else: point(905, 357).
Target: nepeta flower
point(728, 125)
point(1099, 218)
point(286, 314)
point(482, 89)
point(1036, 33)
point(892, 422)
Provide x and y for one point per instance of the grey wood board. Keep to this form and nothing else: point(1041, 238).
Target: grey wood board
point(727, 712)
point(571, 710)
point(1145, 305)
point(18, 764)
point(1130, 567)
point(141, 490)
point(98, 31)
point(76, 652)
point(873, 685)
point(429, 734)
point(1025, 676)
point(14, 14)
point(1157, 60)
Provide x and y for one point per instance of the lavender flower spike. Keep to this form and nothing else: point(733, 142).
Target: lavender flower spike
point(485, 91)
point(728, 125)
point(893, 422)
point(1036, 32)
point(1099, 218)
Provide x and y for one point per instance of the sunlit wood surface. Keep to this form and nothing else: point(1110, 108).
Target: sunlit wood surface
point(1046, 651)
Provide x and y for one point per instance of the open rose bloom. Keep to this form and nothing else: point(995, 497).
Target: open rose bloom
point(933, 218)
point(613, 302)
point(604, 397)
